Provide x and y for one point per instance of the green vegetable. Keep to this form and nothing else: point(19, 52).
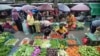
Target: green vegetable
point(88, 51)
point(4, 50)
point(24, 50)
point(38, 42)
point(11, 42)
point(54, 43)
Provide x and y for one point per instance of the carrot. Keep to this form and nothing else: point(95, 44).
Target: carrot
point(73, 51)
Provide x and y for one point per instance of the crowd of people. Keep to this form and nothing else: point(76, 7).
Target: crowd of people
point(31, 22)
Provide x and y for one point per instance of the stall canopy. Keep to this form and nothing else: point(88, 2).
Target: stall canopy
point(45, 7)
point(95, 8)
point(5, 7)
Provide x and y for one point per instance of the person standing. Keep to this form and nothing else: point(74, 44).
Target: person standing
point(94, 25)
point(30, 22)
point(16, 18)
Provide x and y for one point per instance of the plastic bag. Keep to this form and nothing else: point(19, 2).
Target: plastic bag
point(25, 27)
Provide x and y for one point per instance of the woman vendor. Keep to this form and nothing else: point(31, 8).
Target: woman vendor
point(71, 21)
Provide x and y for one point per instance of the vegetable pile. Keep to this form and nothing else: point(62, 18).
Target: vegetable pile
point(25, 41)
point(36, 51)
point(98, 48)
point(11, 42)
point(88, 51)
point(38, 37)
point(54, 43)
point(24, 50)
point(62, 52)
point(71, 42)
point(52, 52)
point(55, 35)
point(4, 50)
point(38, 42)
point(43, 52)
point(62, 43)
point(45, 44)
point(4, 37)
point(73, 51)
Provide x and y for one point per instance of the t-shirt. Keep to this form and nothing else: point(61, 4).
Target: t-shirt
point(63, 30)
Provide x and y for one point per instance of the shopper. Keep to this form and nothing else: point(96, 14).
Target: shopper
point(16, 18)
point(30, 21)
point(46, 32)
point(94, 25)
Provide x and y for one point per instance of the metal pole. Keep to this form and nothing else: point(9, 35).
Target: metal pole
point(55, 7)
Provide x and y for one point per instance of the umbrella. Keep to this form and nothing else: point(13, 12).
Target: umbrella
point(17, 8)
point(27, 7)
point(80, 7)
point(63, 7)
point(45, 7)
point(5, 7)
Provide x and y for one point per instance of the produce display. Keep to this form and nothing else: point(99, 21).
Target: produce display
point(5, 50)
point(45, 44)
point(24, 50)
point(88, 51)
point(62, 52)
point(73, 51)
point(62, 43)
point(11, 42)
point(43, 52)
point(54, 43)
point(4, 36)
point(55, 35)
point(38, 42)
point(71, 42)
point(36, 51)
point(38, 37)
point(98, 48)
point(2, 39)
point(25, 41)
point(52, 52)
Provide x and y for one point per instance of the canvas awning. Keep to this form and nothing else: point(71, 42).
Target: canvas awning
point(95, 8)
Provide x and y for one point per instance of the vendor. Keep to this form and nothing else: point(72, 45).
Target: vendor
point(62, 31)
point(94, 25)
point(71, 21)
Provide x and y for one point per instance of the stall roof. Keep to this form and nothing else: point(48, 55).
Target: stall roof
point(95, 8)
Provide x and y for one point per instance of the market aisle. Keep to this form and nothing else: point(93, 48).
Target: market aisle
point(21, 36)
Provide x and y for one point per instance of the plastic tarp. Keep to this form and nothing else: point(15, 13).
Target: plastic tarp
point(95, 8)
point(63, 7)
point(5, 7)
